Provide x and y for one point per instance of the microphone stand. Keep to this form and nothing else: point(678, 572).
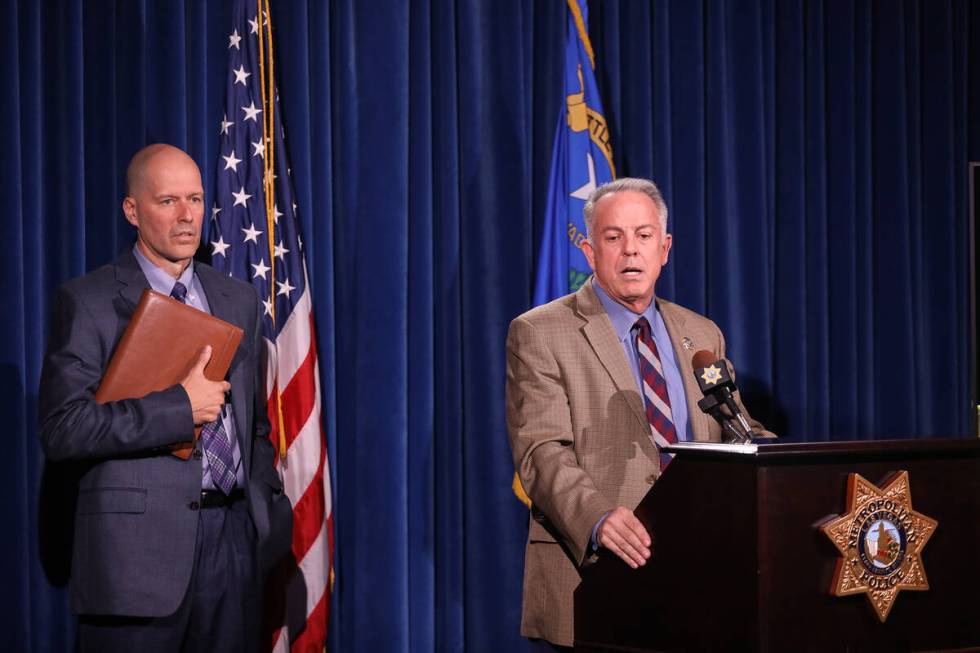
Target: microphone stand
point(710, 405)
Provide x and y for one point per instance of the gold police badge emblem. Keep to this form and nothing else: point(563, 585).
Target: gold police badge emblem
point(880, 539)
point(711, 374)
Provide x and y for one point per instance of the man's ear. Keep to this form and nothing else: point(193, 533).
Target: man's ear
point(668, 241)
point(589, 253)
point(129, 210)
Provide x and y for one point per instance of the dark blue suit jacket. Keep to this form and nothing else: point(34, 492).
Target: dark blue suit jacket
point(136, 520)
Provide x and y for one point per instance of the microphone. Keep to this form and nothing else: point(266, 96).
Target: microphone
point(715, 380)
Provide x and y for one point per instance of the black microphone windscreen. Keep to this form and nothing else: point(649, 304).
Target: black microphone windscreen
point(714, 375)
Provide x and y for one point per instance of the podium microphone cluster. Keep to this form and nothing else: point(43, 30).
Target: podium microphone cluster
point(715, 380)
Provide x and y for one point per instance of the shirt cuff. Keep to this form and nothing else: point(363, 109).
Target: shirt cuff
point(595, 532)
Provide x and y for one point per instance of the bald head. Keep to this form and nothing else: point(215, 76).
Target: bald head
point(165, 202)
point(147, 158)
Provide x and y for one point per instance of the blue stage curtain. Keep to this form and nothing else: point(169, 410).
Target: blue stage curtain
point(813, 155)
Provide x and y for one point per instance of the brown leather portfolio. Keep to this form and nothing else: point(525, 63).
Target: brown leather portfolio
point(162, 342)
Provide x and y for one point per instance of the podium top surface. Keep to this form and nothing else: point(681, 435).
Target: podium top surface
point(768, 449)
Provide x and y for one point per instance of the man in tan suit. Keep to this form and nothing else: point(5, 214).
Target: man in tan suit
point(582, 442)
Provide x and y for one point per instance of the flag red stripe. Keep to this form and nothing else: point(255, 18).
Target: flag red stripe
point(311, 638)
point(299, 397)
point(308, 512)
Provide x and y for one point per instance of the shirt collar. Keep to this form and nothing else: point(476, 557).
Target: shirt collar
point(159, 280)
point(621, 317)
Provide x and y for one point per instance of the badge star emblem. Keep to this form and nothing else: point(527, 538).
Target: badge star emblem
point(711, 374)
point(880, 539)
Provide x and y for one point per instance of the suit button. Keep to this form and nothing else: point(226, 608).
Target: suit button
point(194, 505)
point(651, 478)
point(197, 454)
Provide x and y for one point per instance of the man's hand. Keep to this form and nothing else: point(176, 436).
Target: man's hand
point(623, 534)
point(206, 396)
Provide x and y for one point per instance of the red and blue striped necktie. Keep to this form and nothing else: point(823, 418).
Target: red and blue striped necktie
point(655, 391)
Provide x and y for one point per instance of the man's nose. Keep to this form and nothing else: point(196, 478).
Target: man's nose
point(184, 212)
point(629, 245)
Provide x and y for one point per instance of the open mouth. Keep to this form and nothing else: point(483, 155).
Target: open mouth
point(631, 272)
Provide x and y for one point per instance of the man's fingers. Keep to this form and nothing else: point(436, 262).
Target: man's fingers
point(634, 547)
point(204, 358)
point(638, 531)
point(625, 549)
point(624, 534)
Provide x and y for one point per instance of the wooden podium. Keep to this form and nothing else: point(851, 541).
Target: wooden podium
point(740, 563)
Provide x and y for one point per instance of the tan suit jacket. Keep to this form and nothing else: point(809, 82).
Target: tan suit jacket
point(580, 436)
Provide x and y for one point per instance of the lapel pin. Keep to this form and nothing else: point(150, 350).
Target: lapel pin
point(687, 343)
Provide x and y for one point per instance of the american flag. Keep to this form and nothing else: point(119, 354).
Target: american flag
point(239, 235)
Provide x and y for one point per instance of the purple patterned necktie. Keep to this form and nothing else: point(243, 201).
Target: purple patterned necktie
point(655, 396)
point(213, 434)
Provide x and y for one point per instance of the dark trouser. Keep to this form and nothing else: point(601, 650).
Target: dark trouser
point(222, 610)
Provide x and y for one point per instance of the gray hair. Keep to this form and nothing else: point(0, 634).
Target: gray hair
point(634, 184)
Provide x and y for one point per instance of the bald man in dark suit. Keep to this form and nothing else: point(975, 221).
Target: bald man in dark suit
point(168, 553)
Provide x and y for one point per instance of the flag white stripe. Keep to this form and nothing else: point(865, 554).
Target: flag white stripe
point(314, 566)
point(294, 340)
point(282, 642)
point(302, 459)
point(270, 366)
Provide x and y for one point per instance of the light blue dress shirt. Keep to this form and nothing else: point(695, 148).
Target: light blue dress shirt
point(163, 283)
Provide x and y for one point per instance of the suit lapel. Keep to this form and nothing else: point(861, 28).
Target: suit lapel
point(679, 332)
point(218, 300)
point(599, 332)
point(132, 282)
point(222, 306)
